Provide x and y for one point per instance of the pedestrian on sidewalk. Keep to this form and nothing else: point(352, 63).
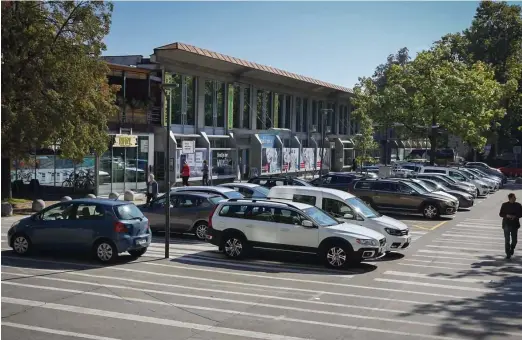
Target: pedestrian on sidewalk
point(185, 174)
point(205, 172)
point(152, 189)
point(511, 212)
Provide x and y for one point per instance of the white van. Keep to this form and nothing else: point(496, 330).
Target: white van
point(349, 208)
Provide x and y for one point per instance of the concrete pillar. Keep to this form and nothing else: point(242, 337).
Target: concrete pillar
point(200, 106)
point(253, 108)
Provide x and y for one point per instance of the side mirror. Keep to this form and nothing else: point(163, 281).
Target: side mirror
point(307, 224)
point(349, 216)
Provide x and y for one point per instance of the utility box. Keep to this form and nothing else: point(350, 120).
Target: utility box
point(385, 171)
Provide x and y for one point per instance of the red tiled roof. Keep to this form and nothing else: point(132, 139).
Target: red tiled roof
point(244, 63)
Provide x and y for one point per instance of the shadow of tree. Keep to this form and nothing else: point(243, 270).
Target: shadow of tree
point(495, 314)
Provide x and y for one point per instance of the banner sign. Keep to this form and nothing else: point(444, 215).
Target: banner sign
point(267, 141)
point(188, 146)
point(125, 141)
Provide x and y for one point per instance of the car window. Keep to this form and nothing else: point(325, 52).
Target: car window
point(383, 186)
point(418, 187)
point(128, 212)
point(363, 185)
point(262, 191)
point(60, 212)
point(187, 201)
point(327, 179)
point(216, 199)
point(235, 211)
point(287, 216)
point(403, 188)
point(262, 214)
point(449, 179)
point(320, 217)
point(90, 212)
point(305, 199)
point(457, 175)
point(362, 208)
point(336, 208)
point(343, 179)
point(429, 185)
point(245, 192)
point(233, 194)
point(435, 171)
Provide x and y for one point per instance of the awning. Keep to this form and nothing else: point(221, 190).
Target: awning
point(183, 135)
point(402, 144)
point(217, 136)
point(348, 144)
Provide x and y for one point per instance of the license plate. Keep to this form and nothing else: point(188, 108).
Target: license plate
point(141, 242)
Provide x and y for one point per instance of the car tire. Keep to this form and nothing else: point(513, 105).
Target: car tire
point(137, 252)
point(430, 211)
point(21, 244)
point(105, 251)
point(235, 246)
point(200, 230)
point(478, 193)
point(338, 255)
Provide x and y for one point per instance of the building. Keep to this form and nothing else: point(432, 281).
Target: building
point(244, 118)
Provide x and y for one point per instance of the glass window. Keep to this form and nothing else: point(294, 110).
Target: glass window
point(320, 117)
point(383, 186)
point(314, 112)
point(235, 107)
point(128, 212)
point(187, 202)
point(361, 207)
point(269, 108)
point(288, 114)
point(209, 103)
point(298, 114)
point(320, 217)
point(287, 216)
point(191, 99)
point(362, 185)
point(235, 211)
point(60, 212)
point(263, 214)
point(336, 208)
point(259, 110)
point(261, 192)
point(216, 199)
point(233, 194)
point(280, 106)
point(173, 97)
point(305, 199)
point(305, 115)
point(90, 212)
point(246, 108)
point(220, 104)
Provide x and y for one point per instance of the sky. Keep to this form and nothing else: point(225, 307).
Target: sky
point(336, 42)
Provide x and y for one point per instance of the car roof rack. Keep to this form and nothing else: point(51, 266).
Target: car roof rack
point(259, 200)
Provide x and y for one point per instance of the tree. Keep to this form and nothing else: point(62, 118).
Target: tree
point(54, 86)
point(435, 91)
point(365, 102)
point(495, 38)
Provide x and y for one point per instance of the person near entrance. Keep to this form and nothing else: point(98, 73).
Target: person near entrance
point(511, 212)
point(152, 189)
point(185, 174)
point(205, 172)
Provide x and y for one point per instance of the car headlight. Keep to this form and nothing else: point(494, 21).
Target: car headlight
point(393, 232)
point(367, 242)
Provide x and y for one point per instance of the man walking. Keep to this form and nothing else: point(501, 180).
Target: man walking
point(511, 212)
point(152, 189)
point(205, 172)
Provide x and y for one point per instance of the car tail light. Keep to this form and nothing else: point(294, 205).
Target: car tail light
point(210, 217)
point(120, 227)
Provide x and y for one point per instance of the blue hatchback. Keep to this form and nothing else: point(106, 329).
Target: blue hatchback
point(100, 226)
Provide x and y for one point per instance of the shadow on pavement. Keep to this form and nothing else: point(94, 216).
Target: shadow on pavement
point(492, 315)
point(410, 217)
point(271, 262)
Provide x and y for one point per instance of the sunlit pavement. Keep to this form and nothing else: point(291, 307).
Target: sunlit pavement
point(453, 283)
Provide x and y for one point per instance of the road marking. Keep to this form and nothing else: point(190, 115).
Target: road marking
point(473, 226)
point(497, 225)
point(472, 260)
point(440, 278)
point(474, 256)
point(431, 228)
point(445, 240)
point(55, 331)
point(436, 285)
point(221, 310)
point(481, 219)
point(473, 236)
point(463, 248)
point(148, 319)
point(436, 262)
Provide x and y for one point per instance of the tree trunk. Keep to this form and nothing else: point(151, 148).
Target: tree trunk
point(433, 142)
point(6, 179)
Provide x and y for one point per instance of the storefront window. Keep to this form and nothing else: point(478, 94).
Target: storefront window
point(298, 114)
point(288, 114)
point(314, 112)
point(191, 99)
point(209, 103)
point(246, 108)
point(321, 117)
point(174, 96)
point(223, 163)
point(235, 108)
point(220, 104)
point(259, 110)
point(280, 108)
point(305, 115)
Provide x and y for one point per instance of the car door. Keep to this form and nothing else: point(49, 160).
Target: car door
point(407, 200)
point(88, 220)
point(155, 212)
point(185, 211)
point(261, 226)
point(46, 230)
point(456, 176)
point(383, 195)
point(292, 235)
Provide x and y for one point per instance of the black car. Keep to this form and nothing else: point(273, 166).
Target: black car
point(337, 180)
point(465, 200)
point(269, 181)
point(446, 182)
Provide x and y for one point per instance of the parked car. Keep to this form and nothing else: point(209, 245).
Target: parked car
point(188, 213)
point(498, 179)
point(449, 182)
point(465, 200)
point(511, 170)
point(493, 183)
point(236, 226)
point(248, 190)
point(456, 175)
point(222, 191)
point(487, 169)
point(336, 180)
point(102, 227)
point(399, 195)
point(269, 181)
point(348, 208)
point(479, 182)
point(416, 182)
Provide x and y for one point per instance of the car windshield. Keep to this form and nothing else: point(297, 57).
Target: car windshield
point(418, 188)
point(216, 199)
point(362, 208)
point(320, 217)
point(430, 186)
point(262, 190)
point(465, 174)
point(233, 194)
point(128, 212)
point(449, 179)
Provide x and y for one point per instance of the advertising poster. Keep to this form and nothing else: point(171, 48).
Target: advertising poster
point(222, 163)
point(290, 159)
point(194, 160)
point(307, 159)
point(270, 160)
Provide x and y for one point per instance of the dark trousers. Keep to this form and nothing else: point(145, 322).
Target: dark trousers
point(510, 232)
point(185, 180)
point(205, 179)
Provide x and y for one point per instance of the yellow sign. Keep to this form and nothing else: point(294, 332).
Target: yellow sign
point(125, 141)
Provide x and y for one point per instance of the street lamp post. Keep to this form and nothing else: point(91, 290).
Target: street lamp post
point(323, 137)
point(166, 88)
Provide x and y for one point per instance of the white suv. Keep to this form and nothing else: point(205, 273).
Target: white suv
point(237, 225)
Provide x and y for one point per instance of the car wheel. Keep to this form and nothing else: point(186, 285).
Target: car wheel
point(200, 230)
point(338, 255)
point(21, 244)
point(235, 246)
point(105, 251)
point(430, 211)
point(478, 193)
point(137, 252)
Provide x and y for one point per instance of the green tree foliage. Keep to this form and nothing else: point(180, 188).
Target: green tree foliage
point(54, 86)
point(365, 101)
point(495, 38)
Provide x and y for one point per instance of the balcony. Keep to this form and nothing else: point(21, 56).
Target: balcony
point(143, 119)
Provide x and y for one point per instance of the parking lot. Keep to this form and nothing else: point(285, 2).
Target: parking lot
point(453, 283)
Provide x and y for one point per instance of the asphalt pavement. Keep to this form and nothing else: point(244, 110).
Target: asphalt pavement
point(453, 283)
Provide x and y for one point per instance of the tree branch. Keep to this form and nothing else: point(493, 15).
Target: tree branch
point(66, 22)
